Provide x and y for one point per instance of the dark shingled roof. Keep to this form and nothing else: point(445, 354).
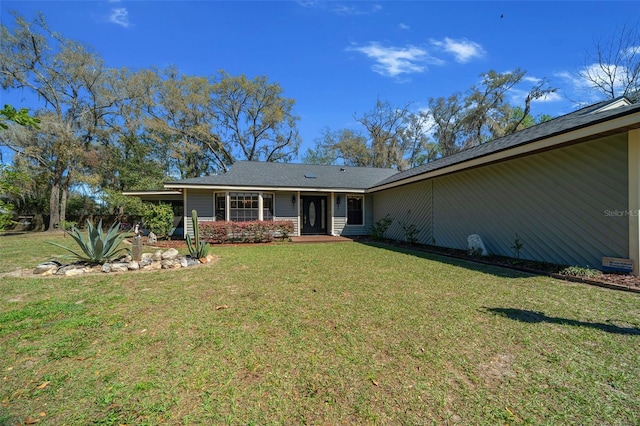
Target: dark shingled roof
point(289, 175)
point(581, 118)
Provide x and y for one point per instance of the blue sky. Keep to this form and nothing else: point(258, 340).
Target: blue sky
point(336, 58)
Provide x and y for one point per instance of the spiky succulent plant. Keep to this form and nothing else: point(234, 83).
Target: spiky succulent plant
point(98, 246)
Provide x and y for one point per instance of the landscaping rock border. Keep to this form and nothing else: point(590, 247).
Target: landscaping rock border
point(160, 259)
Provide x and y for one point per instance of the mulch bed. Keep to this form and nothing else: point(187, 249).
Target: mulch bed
point(608, 280)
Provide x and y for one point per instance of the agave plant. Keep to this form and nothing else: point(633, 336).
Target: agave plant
point(98, 246)
point(197, 249)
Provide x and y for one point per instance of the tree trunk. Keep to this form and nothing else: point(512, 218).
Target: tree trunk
point(54, 207)
point(63, 204)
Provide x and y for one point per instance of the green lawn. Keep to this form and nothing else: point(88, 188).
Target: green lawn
point(343, 333)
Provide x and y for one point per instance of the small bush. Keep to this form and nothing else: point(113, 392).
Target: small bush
point(411, 232)
point(220, 232)
point(158, 218)
point(581, 272)
point(380, 228)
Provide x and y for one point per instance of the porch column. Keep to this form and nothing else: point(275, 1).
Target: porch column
point(298, 208)
point(227, 206)
point(331, 210)
point(634, 198)
point(185, 215)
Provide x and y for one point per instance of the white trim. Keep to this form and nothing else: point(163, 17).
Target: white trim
point(259, 188)
point(227, 204)
point(184, 212)
point(616, 104)
point(298, 207)
point(141, 193)
point(332, 211)
point(527, 148)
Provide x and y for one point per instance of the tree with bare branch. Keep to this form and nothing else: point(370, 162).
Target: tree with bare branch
point(612, 68)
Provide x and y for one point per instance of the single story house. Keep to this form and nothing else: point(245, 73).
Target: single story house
point(567, 191)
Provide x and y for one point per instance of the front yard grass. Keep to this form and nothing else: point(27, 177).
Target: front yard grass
point(343, 333)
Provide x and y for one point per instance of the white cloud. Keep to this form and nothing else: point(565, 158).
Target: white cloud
point(534, 80)
point(120, 16)
point(393, 61)
point(341, 9)
point(404, 26)
point(463, 50)
point(603, 74)
point(631, 51)
point(580, 84)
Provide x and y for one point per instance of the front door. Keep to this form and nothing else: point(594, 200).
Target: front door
point(314, 215)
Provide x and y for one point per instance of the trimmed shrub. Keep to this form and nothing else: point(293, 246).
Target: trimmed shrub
point(221, 232)
point(158, 218)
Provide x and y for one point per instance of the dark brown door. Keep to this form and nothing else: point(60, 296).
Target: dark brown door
point(314, 215)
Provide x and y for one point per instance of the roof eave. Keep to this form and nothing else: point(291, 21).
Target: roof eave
point(591, 131)
point(248, 188)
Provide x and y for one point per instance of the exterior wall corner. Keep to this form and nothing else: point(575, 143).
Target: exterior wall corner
point(634, 198)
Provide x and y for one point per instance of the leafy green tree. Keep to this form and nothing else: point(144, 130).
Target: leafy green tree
point(484, 113)
point(12, 182)
point(208, 123)
point(319, 155)
point(67, 78)
point(447, 114)
point(126, 156)
point(384, 125)
point(256, 122)
point(180, 118)
point(416, 140)
point(390, 138)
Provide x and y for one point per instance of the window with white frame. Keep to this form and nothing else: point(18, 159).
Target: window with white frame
point(244, 206)
point(355, 210)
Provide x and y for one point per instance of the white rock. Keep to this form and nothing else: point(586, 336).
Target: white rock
point(170, 254)
point(152, 266)
point(170, 264)
point(106, 268)
point(73, 272)
point(119, 267)
point(157, 255)
point(475, 245)
point(46, 268)
point(133, 266)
